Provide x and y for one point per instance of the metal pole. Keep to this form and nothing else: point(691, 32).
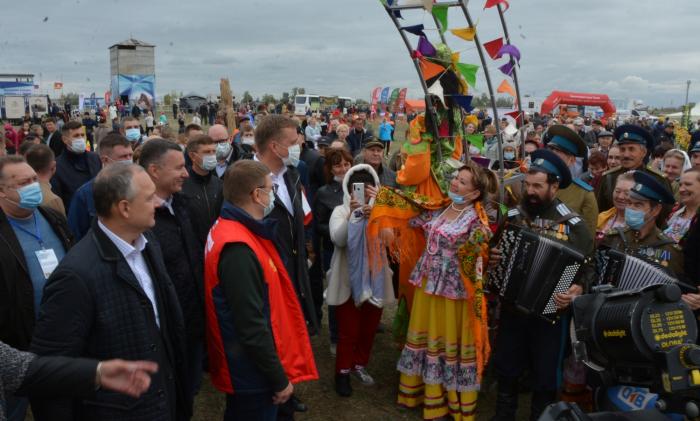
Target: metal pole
point(686, 111)
point(428, 102)
point(515, 81)
point(501, 172)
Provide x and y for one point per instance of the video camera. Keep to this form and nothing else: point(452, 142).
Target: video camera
point(643, 337)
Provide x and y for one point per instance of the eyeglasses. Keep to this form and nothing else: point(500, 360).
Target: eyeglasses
point(274, 188)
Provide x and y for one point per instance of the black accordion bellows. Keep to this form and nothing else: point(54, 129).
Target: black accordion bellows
point(533, 269)
point(626, 272)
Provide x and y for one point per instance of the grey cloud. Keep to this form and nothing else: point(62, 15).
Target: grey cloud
point(626, 48)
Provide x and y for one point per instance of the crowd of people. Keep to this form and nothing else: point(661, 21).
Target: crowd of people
point(223, 251)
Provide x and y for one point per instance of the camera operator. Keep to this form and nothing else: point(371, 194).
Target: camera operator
point(641, 237)
point(528, 340)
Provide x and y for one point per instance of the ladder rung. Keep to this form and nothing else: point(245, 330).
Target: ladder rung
point(417, 6)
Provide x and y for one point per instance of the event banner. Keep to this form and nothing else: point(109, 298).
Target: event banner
point(385, 96)
point(375, 95)
point(392, 100)
point(401, 103)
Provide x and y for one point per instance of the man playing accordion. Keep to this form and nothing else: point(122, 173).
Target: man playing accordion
point(530, 341)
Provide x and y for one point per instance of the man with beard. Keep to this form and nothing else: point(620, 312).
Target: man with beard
point(528, 341)
point(635, 144)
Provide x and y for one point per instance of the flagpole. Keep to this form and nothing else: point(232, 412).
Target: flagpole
point(521, 115)
point(501, 172)
point(416, 62)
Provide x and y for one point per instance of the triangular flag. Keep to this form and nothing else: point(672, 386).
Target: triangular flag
point(415, 29)
point(491, 3)
point(476, 140)
point(493, 47)
point(507, 68)
point(426, 48)
point(468, 71)
point(511, 50)
point(440, 13)
point(517, 116)
point(464, 101)
point(436, 89)
point(455, 58)
point(429, 69)
point(503, 208)
point(506, 88)
point(464, 33)
point(396, 13)
point(428, 5)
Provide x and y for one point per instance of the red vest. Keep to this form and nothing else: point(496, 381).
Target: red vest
point(286, 318)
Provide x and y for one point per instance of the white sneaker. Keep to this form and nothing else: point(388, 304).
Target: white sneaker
point(363, 376)
point(333, 349)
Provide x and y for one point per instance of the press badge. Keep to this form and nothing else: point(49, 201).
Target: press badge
point(47, 261)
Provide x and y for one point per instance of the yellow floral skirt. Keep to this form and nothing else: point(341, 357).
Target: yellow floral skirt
point(438, 362)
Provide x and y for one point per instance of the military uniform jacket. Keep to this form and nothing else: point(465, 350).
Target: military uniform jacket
point(607, 184)
point(655, 247)
point(558, 222)
point(579, 197)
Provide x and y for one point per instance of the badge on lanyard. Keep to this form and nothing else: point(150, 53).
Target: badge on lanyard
point(47, 261)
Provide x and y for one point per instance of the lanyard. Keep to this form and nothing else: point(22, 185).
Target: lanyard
point(36, 236)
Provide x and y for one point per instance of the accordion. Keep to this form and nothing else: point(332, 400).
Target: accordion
point(626, 272)
point(533, 270)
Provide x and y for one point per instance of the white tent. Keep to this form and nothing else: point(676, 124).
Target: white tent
point(694, 113)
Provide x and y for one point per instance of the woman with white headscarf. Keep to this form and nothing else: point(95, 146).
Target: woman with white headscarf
point(675, 163)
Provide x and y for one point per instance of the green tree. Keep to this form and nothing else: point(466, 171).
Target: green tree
point(247, 97)
point(268, 99)
point(285, 97)
point(71, 97)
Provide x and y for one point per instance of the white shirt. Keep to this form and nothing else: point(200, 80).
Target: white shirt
point(282, 192)
point(134, 258)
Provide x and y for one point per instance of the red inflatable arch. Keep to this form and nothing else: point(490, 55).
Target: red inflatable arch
point(557, 98)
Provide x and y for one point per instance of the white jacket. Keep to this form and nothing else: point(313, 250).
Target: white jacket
point(338, 276)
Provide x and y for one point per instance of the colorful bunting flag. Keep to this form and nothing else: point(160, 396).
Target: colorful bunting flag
point(468, 72)
point(440, 13)
point(428, 5)
point(493, 47)
point(464, 101)
point(425, 47)
point(436, 89)
point(517, 116)
point(506, 88)
point(415, 29)
point(429, 69)
point(476, 140)
point(466, 34)
point(511, 50)
point(396, 13)
point(492, 3)
point(507, 69)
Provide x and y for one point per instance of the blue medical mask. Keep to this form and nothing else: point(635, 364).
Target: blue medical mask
point(30, 196)
point(209, 162)
point(634, 218)
point(509, 155)
point(133, 134)
point(456, 199)
point(222, 150)
point(78, 145)
point(271, 204)
point(293, 157)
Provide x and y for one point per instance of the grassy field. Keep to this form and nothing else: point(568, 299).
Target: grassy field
point(377, 402)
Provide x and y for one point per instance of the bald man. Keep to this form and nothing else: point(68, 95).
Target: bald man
point(226, 152)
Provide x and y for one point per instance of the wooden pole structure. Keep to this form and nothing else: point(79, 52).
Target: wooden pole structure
point(227, 103)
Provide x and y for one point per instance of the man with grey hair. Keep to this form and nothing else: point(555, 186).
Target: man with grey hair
point(122, 305)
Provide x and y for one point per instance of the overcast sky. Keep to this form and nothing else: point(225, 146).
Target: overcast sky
point(628, 49)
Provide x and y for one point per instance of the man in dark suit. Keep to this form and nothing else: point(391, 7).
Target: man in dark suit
point(278, 148)
point(76, 165)
point(111, 297)
point(53, 137)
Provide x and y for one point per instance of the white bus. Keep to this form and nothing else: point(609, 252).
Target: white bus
point(303, 103)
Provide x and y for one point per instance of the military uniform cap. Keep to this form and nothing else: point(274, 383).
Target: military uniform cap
point(647, 187)
point(629, 133)
point(566, 140)
point(549, 162)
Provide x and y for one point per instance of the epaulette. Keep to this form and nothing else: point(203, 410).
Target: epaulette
point(583, 184)
point(564, 211)
point(655, 172)
point(612, 170)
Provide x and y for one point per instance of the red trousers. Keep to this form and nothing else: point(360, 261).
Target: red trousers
point(356, 329)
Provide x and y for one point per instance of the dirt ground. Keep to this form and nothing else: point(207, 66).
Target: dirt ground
point(377, 402)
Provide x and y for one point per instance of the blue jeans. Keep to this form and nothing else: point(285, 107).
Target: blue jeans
point(254, 407)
